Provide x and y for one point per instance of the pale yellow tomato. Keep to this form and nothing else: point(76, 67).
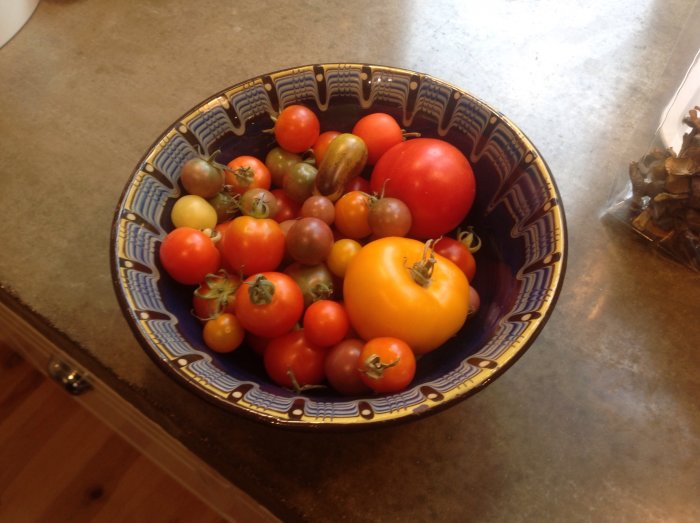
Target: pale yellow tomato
point(193, 211)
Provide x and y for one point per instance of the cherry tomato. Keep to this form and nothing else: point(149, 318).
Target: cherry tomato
point(225, 205)
point(287, 209)
point(188, 255)
point(433, 178)
point(457, 253)
point(292, 361)
point(297, 128)
point(309, 241)
point(319, 148)
point(202, 176)
point(326, 323)
point(380, 132)
point(258, 203)
point(358, 183)
point(397, 287)
point(223, 333)
point(389, 217)
point(279, 162)
point(247, 172)
point(342, 252)
point(252, 245)
point(352, 215)
point(216, 294)
point(269, 304)
point(474, 301)
point(341, 367)
point(320, 207)
point(387, 364)
point(193, 211)
point(315, 281)
point(298, 183)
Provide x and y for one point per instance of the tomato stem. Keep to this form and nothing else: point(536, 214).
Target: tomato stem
point(261, 290)
point(422, 271)
point(374, 368)
point(295, 383)
point(469, 238)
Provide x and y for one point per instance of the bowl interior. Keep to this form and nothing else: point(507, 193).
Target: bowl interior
point(517, 214)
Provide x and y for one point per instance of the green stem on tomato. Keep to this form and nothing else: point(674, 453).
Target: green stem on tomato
point(261, 290)
point(374, 368)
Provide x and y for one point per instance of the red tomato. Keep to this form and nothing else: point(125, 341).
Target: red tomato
point(326, 323)
point(319, 148)
point(247, 172)
point(341, 367)
point(358, 183)
point(380, 132)
point(297, 128)
point(188, 255)
point(457, 253)
point(292, 361)
point(269, 304)
point(433, 178)
point(216, 294)
point(251, 245)
point(287, 208)
point(223, 333)
point(387, 364)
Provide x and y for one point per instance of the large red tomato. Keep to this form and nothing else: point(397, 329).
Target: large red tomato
point(433, 178)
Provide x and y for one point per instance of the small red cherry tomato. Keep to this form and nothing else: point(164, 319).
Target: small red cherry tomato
point(251, 245)
point(326, 323)
point(188, 255)
point(457, 253)
point(247, 172)
point(321, 146)
point(223, 333)
point(380, 132)
point(292, 361)
point(297, 128)
point(387, 364)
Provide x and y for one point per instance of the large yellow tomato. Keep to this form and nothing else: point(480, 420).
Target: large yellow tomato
point(398, 287)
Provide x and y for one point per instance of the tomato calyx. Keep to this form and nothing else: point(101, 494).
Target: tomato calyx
point(218, 287)
point(374, 368)
point(422, 270)
point(244, 175)
point(298, 389)
point(261, 290)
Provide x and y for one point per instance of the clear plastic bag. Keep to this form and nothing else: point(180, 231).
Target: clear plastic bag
point(659, 198)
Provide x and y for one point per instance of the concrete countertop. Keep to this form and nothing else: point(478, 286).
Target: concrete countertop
point(598, 421)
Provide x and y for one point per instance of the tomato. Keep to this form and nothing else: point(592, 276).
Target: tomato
point(380, 132)
point(433, 178)
point(342, 252)
point(309, 241)
point(188, 255)
point(287, 209)
point(326, 323)
point(223, 333)
point(352, 215)
point(315, 281)
point(457, 253)
point(269, 304)
point(398, 287)
point(358, 183)
point(279, 162)
point(299, 182)
point(258, 203)
point(193, 211)
point(202, 176)
point(216, 294)
point(319, 148)
point(341, 367)
point(474, 301)
point(297, 128)
point(247, 172)
point(225, 205)
point(320, 207)
point(292, 361)
point(387, 364)
point(252, 245)
point(389, 217)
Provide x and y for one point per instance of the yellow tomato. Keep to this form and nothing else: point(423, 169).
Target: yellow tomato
point(193, 211)
point(398, 287)
point(342, 252)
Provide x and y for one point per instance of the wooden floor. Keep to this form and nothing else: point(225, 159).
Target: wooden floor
point(58, 463)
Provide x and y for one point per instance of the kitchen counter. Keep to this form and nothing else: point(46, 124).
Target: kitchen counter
point(598, 421)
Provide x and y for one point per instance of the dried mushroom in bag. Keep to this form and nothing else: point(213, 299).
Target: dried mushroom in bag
point(665, 201)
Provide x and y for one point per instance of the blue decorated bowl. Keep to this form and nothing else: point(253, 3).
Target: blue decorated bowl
point(518, 214)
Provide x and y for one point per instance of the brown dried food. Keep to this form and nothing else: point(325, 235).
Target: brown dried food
point(666, 196)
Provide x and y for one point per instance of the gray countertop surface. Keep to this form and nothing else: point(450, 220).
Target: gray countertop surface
point(598, 421)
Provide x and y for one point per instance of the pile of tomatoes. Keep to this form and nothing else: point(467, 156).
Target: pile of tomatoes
point(334, 257)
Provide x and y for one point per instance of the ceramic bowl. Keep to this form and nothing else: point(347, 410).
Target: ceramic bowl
point(518, 214)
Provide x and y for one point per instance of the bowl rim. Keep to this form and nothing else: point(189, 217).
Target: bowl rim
point(356, 423)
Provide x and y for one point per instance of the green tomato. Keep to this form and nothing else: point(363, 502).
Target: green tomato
point(299, 181)
point(279, 162)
